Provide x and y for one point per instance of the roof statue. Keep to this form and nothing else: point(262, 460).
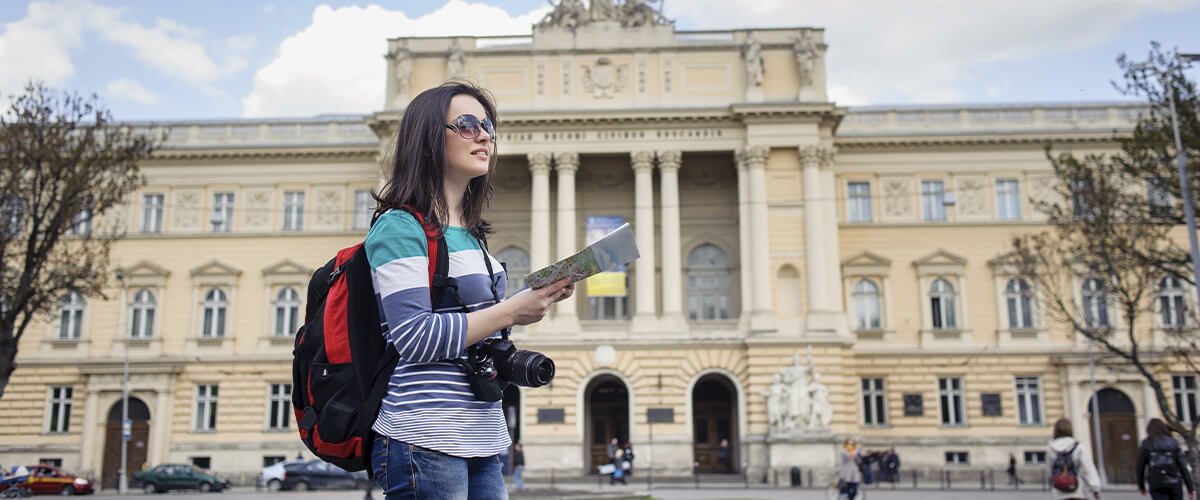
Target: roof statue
point(570, 14)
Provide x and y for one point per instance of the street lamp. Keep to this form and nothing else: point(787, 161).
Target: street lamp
point(123, 478)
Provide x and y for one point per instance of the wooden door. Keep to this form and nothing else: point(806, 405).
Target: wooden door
point(608, 418)
point(713, 420)
point(135, 453)
point(1119, 433)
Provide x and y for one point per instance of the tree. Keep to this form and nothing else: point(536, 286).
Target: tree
point(63, 164)
point(1114, 238)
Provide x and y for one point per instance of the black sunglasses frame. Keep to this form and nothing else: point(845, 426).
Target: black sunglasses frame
point(464, 125)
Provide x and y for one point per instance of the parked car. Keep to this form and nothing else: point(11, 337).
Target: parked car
point(271, 476)
point(319, 474)
point(45, 479)
point(168, 477)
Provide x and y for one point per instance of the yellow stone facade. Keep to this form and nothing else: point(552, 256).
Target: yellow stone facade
point(669, 131)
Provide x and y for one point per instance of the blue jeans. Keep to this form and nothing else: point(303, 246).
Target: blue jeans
point(518, 480)
point(406, 472)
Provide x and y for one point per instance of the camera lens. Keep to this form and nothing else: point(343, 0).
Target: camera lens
point(528, 369)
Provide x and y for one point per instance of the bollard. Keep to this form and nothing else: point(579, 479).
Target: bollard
point(1045, 482)
point(810, 479)
point(552, 480)
point(982, 480)
point(949, 484)
point(599, 481)
point(914, 474)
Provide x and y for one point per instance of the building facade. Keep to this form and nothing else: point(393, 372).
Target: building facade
point(808, 272)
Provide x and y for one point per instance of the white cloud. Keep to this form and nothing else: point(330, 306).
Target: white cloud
point(130, 90)
point(336, 64)
point(38, 46)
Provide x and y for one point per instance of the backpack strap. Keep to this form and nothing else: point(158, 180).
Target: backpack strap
point(439, 258)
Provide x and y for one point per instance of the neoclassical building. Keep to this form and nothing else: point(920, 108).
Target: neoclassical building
point(808, 271)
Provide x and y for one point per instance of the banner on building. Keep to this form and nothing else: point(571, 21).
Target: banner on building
point(611, 283)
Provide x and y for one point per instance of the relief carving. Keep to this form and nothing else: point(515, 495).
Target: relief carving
point(972, 197)
point(897, 198)
point(329, 208)
point(402, 63)
point(454, 62)
point(258, 209)
point(752, 156)
point(806, 52)
point(186, 211)
point(603, 79)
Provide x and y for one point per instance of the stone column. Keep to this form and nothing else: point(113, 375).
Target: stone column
point(814, 247)
point(645, 313)
point(747, 286)
point(672, 259)
point(762, 318)
point(833, 261)
point(566, 164)
point(93, 430)
point(539, 222)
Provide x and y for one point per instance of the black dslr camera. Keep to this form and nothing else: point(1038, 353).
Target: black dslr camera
point(496, 362)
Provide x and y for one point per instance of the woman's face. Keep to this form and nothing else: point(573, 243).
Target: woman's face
point(466, 159)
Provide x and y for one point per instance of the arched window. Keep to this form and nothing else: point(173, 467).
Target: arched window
point(214, 313)
point(287, 310)
point(1170, 299)
point(516, 266)
point(708, 282)
point(141, 325)
point(866, 306)
point(1019, 297)
point(941, 304)
point(1095, 304)
point(70, 322)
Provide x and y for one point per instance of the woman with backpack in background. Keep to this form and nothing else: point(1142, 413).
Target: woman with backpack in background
point(1160, 462)
point(849, 474)
point(1072, 473)
point(436, 439)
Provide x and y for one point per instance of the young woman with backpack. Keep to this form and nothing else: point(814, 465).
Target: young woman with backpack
point(1072, 473)
point(1160, 462)
point(436, 439)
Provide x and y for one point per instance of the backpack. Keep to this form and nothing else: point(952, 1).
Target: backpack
point(1164, 471)
point(341, 361)
point(1063, 471)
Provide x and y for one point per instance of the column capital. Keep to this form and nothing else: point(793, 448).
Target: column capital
point(539, 163)
point(566, 162)
point(642, 161)
point(820, 155)
point(670, 159)
point(752, 156)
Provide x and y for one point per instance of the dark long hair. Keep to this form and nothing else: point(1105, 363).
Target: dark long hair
point(1156, 428)
point(419, 161)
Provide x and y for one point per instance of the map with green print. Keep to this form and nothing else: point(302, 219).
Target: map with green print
point(614, 249)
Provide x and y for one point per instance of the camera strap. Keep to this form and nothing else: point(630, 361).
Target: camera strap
point(452, 285)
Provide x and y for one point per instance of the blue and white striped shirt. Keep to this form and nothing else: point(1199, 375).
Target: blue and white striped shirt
point(429, 402)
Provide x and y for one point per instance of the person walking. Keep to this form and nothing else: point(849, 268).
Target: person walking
point(1160, 463)
point(723, 457)
point(628, 463)
point(1072, 461)
point(1013, 479)
point(849, 475)
point(518, 467)
point(893, 465)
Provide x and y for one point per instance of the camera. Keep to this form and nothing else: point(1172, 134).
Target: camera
point(497, 362)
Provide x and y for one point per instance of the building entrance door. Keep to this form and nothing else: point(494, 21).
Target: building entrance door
point(607, 418)
point(1118, 434)
point(136, 450)
point(714, 420)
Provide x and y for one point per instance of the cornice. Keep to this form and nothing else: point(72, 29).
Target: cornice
point(1041, 137)
point(306, 151)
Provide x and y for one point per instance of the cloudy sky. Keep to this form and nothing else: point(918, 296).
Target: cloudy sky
point(150, 59)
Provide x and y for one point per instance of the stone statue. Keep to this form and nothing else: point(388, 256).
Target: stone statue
point(402, 60)
point(806, 58)
point(603, 10)
point(778, 417)
point(570, 14)
point(454, 62)
point(799, 402)
point(821, 413)
point(637, 13)
point(752, 53)
point(567, 14)
point(797, 399)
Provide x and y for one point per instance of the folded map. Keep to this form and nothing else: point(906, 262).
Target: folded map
point(614, 249)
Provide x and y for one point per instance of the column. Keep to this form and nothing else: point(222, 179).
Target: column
point(814, 248)
point(833, 260)
point(539, 208)
point(566, 164)
point(643, 212)
point(762, 318)
point(747, 288)
point(672, 259)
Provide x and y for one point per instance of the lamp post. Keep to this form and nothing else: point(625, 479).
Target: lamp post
point(123, 477)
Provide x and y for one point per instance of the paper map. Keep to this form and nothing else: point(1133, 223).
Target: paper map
point(614, 249)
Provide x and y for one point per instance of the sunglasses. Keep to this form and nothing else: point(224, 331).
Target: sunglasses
point(469, 127)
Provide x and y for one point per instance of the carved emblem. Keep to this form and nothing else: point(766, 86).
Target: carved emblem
point(971, 199)
point(897, 200)
point(603, 79)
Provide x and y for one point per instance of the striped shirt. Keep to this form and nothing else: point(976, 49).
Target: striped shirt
point(429, 402)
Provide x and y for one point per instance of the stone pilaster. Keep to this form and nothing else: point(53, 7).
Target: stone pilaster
point(833, 264)
point(539, 223)
point(672, 258)
point(747, 285)
point(565, 166)
point(762, 317)
point(814, 247)
point(645, 313)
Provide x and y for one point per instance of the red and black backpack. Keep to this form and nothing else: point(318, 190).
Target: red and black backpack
point(341, 361)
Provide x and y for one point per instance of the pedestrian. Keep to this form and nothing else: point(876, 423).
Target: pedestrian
point(367, 494)
point(440, 183)
point(1071, 462)
point(518, 459)
point(723, 457)
point(1012, 470)
point(618, 473)
point(628, 463)
point(849, 475)
point(1160, 463)
point(882, 461)
point(613, 446)
point(893, 465)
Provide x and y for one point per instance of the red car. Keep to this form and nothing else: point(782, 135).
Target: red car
point(44, 479)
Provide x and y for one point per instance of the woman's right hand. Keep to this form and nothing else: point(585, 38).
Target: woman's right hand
point(530, 305)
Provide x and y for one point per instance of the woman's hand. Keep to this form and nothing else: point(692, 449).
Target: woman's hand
point(530, 305)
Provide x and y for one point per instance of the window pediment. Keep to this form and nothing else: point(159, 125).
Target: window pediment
point(286, 267)
point(215, 268)
point(144, 269)
point(940, 262)
point(866, 264)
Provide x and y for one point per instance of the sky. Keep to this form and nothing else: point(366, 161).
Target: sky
point(219, 59)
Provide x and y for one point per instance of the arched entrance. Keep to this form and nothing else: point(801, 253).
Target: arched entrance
point(136, 451)
point(1118, 433)
point(607, 418)
point(714, 418)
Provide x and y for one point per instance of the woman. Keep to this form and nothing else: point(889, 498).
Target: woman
point(848, 471)
point(1087, 479)
point(1167, 471)
point(435, 438)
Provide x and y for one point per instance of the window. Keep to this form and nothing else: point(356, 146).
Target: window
point(958, 458)
point(1008, 200)
point(293, 211)
point(1035, 458)
point(202, 462)
point(60, 409)
point(866, 306)
point(152, 213)
point(81, 223)
point(708, 282)
point(53, 462)
point(950, 401)
point(287, 309)
point(1171, 304)
point(12, 216)
point(1095, 304)
point(1161, 203)
point(610, 308)
point(280, 406)
point(364, 209)
point(858, 203)
point(270, 460)
point(70, 316)
point(874, 402)
point(206, 408)
point(1029, 401)
point(1082, 198)
point(1184, 387)
point(141, 325)
point(222, 214)
point(933, 200)
point(1019, 297)
point(941, 303)
point(516, 266)
point(214, 314)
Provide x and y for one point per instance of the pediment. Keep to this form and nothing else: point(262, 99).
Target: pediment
point(286, 266)
point(143, 269)
point(215, 268)
point(866, 259)
point(941, 257)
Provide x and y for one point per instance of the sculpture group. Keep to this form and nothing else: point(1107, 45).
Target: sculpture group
point(797, 400)
point(570, 14)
